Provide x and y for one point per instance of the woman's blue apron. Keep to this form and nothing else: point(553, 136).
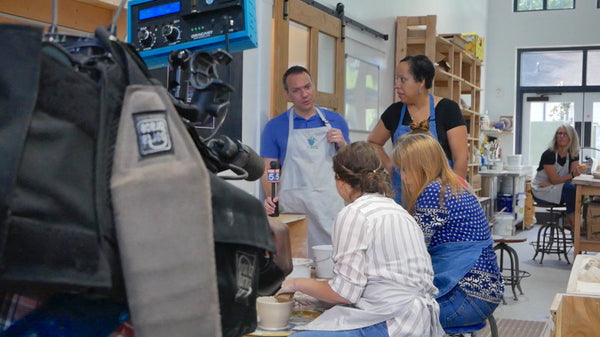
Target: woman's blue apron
point(404, 129)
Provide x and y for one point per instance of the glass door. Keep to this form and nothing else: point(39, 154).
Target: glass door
point(542, 115)
point(591, 126)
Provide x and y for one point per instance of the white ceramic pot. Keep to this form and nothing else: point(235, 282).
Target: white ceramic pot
point(272, 314)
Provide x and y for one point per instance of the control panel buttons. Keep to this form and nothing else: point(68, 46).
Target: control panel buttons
point(146, 38)
point(170, 33)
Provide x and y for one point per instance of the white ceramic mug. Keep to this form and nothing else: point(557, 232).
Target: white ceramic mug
point(272, 314)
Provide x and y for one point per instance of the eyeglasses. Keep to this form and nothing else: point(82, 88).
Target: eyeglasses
point(562, 134)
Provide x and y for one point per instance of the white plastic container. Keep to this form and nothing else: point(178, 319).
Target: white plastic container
point(514, 160)
point(520, 207)
point(301, 268)
point(323, 261)
point(497, 164)
point(506, 187)
point(503, 224)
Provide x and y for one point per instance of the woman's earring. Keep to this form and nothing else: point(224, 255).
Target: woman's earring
point(419, 90)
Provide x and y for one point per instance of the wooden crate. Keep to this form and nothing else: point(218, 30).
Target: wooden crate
point(592, 219)
point(577, 316)
point(456, 39)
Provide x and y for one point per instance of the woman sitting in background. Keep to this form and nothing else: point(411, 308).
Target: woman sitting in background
point(383, 278)
point(457, 232)
point(558, 165)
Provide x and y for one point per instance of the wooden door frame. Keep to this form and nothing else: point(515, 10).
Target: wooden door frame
point(317, 21)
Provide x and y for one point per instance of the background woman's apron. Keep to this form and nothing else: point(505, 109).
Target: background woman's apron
point(552, 193)
point(308, 182)
point(404, 129)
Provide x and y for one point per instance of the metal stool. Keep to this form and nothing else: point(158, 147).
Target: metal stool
point(551, 238)
point(472, 329)
point(516, 275)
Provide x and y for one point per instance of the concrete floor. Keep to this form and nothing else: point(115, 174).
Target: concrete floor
point(546, 280)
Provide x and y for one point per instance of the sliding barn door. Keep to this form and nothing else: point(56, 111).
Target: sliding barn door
point(307, 36)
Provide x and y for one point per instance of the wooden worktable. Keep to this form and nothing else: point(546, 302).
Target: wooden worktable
point(298, 233)
point(575, 312)
point(586, 185)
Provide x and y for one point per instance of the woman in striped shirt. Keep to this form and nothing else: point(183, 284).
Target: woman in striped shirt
point(383, 277)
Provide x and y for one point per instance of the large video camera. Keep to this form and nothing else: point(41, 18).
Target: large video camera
point(241, 228)
point(196, 73)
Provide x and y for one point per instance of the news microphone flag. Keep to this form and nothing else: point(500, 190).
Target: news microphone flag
point(273, 179)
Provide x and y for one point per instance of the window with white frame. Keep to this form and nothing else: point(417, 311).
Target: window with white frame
point(541, 5)
point(361, 94)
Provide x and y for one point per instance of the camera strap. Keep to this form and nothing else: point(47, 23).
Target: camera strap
point(22, 46)
point(161, 198)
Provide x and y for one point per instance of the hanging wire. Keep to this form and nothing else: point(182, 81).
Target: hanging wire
point(112, 29)
point(53, 25)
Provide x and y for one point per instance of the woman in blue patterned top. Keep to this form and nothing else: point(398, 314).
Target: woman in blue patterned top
point(456, 232)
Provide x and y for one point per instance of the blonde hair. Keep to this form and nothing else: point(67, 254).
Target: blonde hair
point(573, 147)
point(422, 160)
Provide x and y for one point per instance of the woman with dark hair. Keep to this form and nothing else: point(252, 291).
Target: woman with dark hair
point(456, 231)
point(383, 277)
point(418, 109)
point(558, 165)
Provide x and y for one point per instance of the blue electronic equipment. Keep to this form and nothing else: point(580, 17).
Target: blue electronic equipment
point(157, 27)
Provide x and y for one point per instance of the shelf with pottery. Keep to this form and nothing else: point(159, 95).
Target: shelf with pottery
point(496, 131)
point(504, 125)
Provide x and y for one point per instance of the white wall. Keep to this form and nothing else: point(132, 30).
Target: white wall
point(508, 31)
point(453, 17)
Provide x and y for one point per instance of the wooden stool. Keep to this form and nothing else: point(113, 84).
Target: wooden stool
point(551, 238)
point(514, 278)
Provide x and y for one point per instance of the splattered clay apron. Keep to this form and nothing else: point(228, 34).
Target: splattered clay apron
point(308, 182)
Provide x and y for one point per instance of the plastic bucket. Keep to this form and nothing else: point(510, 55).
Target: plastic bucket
point(503, 224)
point(504, 201)
point(514, 160)
point(301, 268)
point(323, 261)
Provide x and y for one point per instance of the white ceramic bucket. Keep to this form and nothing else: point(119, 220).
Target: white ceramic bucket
point(503, 224)
point(497, 165)
point(514, 160)
point(323, 261)
point(301, 268)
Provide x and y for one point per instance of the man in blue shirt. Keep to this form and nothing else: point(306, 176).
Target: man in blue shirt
point(303, 141)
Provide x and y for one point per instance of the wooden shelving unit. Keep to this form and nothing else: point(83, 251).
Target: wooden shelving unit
point(457, 76)
point(74, 16)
